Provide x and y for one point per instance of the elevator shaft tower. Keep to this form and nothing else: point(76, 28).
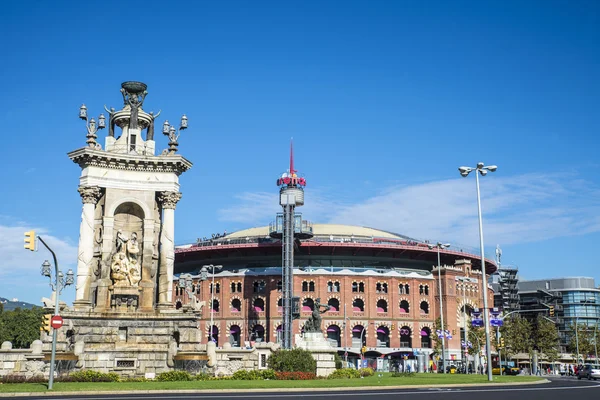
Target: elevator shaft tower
point(289, 227)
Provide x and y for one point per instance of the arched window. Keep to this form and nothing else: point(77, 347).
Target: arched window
point(405, 338)
point(383, 336)
point(280, 305)
point(426, 290)
point(236, 305)
point(308, 305)
point(279, 286)
point(361, 287)
point(384, 287)
point(354, 287)
point(404, 307)
point(421, 289)
point(378, 287)
point(258, 333)
point(259, 286)
point(336, 287)
point(406, 288)
point(357, 335)
point(215, 335)
point(426, 338)
point(311, 286)
point(217, 288)
point(333, 335)
point(358, 305)
point(239, 287)
point(215, 305)
point(401, 288)
point(381, 306)
point(424, 307)
point(232, 287)
point(259, 305)
point(234, 336)
point(329, 287)
point(334, 304)
point(304, 286)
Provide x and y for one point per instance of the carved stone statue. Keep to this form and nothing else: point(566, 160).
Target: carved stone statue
point(125, 268)
point(313, 323)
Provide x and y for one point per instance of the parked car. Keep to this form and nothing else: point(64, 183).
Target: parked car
point(506, 370)
point(589, 371)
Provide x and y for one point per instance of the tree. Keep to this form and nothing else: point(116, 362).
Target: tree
point(437, 341)
point(585, 337)
point(21, 326)
point(517, 333)
point(546, 338)
point(476, 335)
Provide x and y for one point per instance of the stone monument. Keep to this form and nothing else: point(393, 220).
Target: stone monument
point(314, 341)
point(123, 317)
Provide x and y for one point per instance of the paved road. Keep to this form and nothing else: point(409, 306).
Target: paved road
point(557, 389)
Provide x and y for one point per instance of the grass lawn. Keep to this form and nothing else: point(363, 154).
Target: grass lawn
point(372, 381)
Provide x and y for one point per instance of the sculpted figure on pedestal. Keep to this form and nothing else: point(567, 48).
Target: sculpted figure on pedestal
point(313, 323)
point(125, 267)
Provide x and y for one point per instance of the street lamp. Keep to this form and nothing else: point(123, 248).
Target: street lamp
point(57, 286)
point(465, 279)
point(173, 134)
point(91, 126)
point(203, 273)
point(585, 303)
point(439, 246)
point(464, 172)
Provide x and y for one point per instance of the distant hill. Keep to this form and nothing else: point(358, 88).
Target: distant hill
point(11, 305)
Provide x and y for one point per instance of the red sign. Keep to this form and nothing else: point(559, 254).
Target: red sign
point(56, 322)
point(291, 180)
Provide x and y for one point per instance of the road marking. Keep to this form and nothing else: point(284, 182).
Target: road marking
point(214, 395)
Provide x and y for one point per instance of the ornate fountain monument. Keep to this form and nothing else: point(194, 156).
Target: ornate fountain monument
point(123, 317)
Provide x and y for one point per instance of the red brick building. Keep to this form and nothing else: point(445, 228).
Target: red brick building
point(386, 285)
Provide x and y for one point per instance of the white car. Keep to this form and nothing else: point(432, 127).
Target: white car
point(589, 371)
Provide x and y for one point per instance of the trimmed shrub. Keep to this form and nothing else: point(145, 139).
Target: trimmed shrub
point(13, 378)
point(243, 375)
point(89, 375)
point(203, 376)
point(295, 376)
point(295, 360)
point(173, 376)
point(364, 372)
point(268, 374)
point(344, 373)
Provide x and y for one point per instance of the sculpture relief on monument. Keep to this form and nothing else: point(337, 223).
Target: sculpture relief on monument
point(125, 267)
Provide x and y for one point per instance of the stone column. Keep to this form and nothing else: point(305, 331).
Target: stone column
point(168, 201)
point(90, 196)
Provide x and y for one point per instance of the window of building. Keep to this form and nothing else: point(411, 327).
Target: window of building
point(308, 304)
point(259, 286)
point(403, 288)
point(404, 307)
point(259, 305)
point(236, 305)
point(334, 304)
point(217, 288)
point(358, 305)
point(382, 306)
point(361, 287)
point(333, 287)
point(311, 286)
point(424, 307)
point(279, 286)
point(304, 286)
point(215, 305)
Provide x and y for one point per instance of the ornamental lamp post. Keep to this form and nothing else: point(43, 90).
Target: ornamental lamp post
point(439, 246)
point(482, 169)
point(173, 134)
point(91, 126)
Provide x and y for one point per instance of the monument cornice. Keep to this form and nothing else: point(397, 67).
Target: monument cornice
point(86, 156)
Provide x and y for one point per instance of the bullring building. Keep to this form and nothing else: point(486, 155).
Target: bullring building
point(382, 288)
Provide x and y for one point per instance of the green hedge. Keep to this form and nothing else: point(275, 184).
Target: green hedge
point(295, 360)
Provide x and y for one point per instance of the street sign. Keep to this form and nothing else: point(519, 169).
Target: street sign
point(56, 322)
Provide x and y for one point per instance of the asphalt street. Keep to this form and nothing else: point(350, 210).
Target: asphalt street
point(556, 389)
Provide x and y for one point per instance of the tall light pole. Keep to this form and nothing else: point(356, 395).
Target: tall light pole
point(439, 246)
point(465, 279)
point(483, 170)
point(212, 296)
point(585, 303)
point(57, 287)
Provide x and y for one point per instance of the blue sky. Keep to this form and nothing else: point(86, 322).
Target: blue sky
point(384, 100)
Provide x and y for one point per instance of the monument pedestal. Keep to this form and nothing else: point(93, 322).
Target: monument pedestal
point(321, 350)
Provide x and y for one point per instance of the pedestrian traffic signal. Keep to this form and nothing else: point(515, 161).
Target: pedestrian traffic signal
point(46, 323)
point(30, 240)
point(552, 311)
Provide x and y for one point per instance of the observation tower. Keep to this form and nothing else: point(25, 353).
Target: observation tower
point(289, 227)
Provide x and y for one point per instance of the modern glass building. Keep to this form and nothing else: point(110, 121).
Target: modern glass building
point(576, 300)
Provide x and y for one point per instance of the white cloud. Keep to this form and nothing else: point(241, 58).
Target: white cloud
point(20, 269)
point(524, 208)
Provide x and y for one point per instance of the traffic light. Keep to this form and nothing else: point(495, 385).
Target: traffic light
point(30, 240)
point(502, 342)
point(364, 349)
point(46, 323)
point(552, 311)
point(393, 327)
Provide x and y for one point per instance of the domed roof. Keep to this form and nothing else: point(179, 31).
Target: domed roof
point(323, 230)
